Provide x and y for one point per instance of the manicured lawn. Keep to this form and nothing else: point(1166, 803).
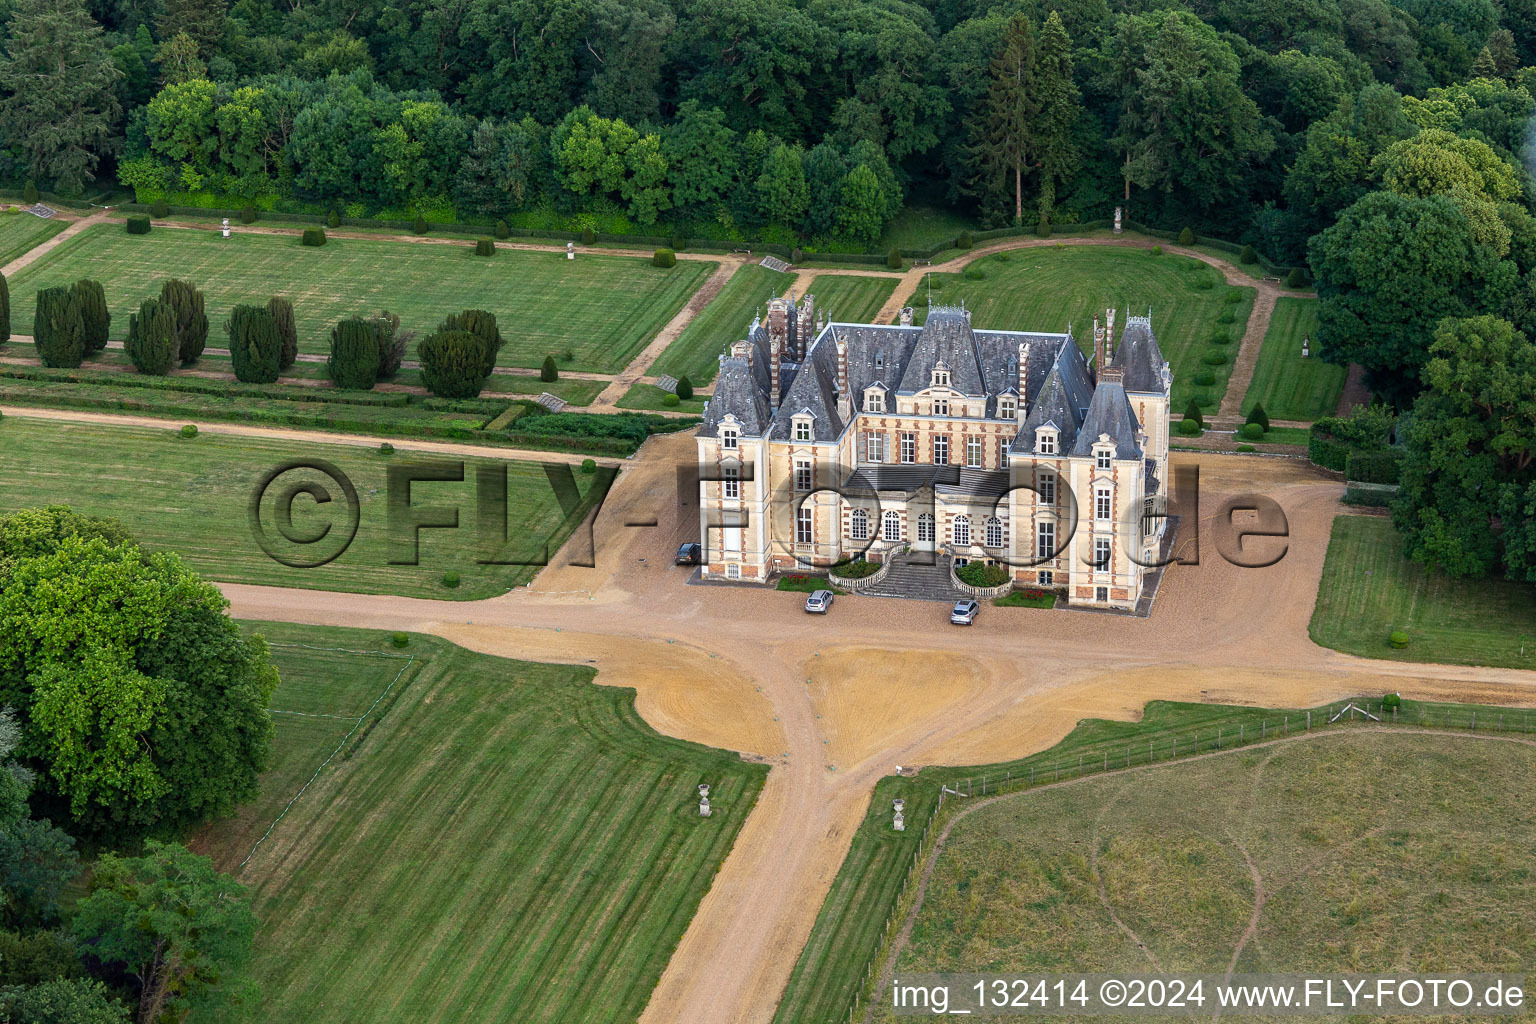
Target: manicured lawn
point(1045, 289)
point(1104, 875)
point(918, 227)
point(799, 583)
point(1290, 387)
point(1369, 589)
point(851, 298)
point(1019, 599)
point(603, 309)
point(650, 398)
point(20, 232)
point(726, 319)
point(508, 842)
point(192, 496)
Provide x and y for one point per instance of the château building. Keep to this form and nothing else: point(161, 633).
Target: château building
point(827, 441)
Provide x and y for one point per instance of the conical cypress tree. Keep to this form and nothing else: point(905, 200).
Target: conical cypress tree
point(451, 361)
point(1258, 415)
point(1192, 412)
point(186, 302)
point(482, 325)
point(548, 372)
point(392, 343)
point(254, 344)
point(58, 329)
point(151, 340)
point(354, 363)
point(5, 310)
point(282, 312)
point(94, 313)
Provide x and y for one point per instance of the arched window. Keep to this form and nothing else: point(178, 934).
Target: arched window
point(892, 530)
point(994, 532)
point(925, 528)
point(859, 526)
point(962, 530)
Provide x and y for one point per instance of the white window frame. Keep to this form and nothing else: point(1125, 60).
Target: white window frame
point(994, 532)
point(1102, 457)
point(874, 446)
point(1103, 551)
point(803, 478)
point(1046, 578)
point(974, 455)
point(874, 400)
point(908, 448)
point(858, 524)
point(1045, 540)
point(1045, 443)
point(728, 439)
point(925, 528)
point(1103, 504)
point(1045, 487)
point(803, 519)
point(730, 483)
point(802, 430)
point(890, 526)
point(1005, 408)
point(941, 449)
point(961, 529)
point(733, 571)
point(941, 407)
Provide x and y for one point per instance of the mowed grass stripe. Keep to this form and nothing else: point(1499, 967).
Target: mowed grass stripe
point(603, 309)
point(851, 298)
point(22, 232)
point(1047, 288)
point(1289, 386)
point(192, 496)
point(729, 314)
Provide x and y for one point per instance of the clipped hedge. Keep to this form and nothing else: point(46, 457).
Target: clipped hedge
point(485, 247)
point(138, 224)
point(313, 237)
point(663, 258)
point(1382, 467)
point(453, 364)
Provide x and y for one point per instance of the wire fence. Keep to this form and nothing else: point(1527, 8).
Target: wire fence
point(1160, 749)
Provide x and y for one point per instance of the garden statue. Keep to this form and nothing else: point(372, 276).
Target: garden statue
point(1117, 220)
point(570, 250)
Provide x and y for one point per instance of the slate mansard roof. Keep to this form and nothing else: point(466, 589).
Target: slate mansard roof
point(1059, 385)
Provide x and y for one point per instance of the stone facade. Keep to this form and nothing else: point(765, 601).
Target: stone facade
point(826, 440)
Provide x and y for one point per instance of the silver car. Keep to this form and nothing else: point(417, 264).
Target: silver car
point(964, 613)
point(819, 602)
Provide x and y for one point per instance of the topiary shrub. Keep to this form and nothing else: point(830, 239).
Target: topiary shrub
point(1220, 337)
point(392, 343)
point(1192, 412)
point(1249, 256)
point(482, 325)
point(1234, 296)
point(964, 240)
point(502, 231)
point(419, 225)
point(893, 259)
point(386, 449)
point(450, 580)
point(1156, 250)
point(1203, 283)
point(333, 219)
point(588, 236)
point(151, 342)
point(160, 209)
point(1398, 639)
point(1258, 415)
point(684, 387)
point(92, 300)
point(186, 303)
point(248, 215)
point(1189, 428)
point(400, 639)
point(189, 430)
point(1043, 228)
point(1392, 701)
point(974, 273)
point(589, 465)
point(5, 310)
point(30, 193)
point(138, 224)
point(255, 346)
point(678, 243)
point(663, 258)
point(1203, 378)
point(354, 362)
point(1252, 431)
point(670, 400)
point(547, 371)
point(980, 574)
point(1002, 257)
point(485, 247)
point(796, 255)
point(1214, 357)
point(58, 329)
point(1297, 278)
point(287, 330)
point(313, 237)
point(1205, 400)
point(1226, 316)
point(1186, 237)
point(452, 364)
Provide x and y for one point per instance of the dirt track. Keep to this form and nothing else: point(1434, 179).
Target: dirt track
point(835, 703)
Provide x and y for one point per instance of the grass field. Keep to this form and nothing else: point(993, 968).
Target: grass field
point(507, 842)
point(726, 319)
point(918, 227)
point(1369, 589)
point(20, 232)
point(851, 298)
point(651, 398)
point(1045, 289)
point(603, 309)
point(1293, 388)
point(1397, 876)
point(192, 496)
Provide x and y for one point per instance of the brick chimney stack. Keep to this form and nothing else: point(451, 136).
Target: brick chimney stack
point(1109, 332)
point(778, 323)
point(775, 356)
point(1023, 379)
point(806, 326)
point(1098, 349)
point(844, 389)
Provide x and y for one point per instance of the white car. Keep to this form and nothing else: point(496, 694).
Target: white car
point(964, 613)
point(819, 602)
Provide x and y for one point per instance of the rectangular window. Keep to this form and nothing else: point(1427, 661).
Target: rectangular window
point(1047, 578)
point(1045, 540)
point(874, 402)
point(1101, 503)
point(730, 484)
point(802, 475)
point(874, 447)
point(803, 525)
point(1101, 594)
point(1046, 486)
point(973, 452)
point(940, 450)
point(802, 431)
point(1103, 460)
point(728, 440)
point(1005, 408)
point(1101, 547)
point(1047, 444)
point(908, 448)
point(733, 571)
point(941, 407)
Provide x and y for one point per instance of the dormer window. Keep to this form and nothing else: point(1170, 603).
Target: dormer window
point(940, 376)
point(802, 428)
point(728, 438)
point(874, 400)
point(1102, 456)
point(879, 360)
point(1045, 441)
point(1005, 407)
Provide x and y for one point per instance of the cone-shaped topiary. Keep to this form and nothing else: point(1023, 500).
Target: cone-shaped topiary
point(354, 363)
point(94, 313)
point(502, 231)
point(1250, 255)
point(1186, 237)
point(57, 328)
point(186, 302)
point(420, 224)
point(1297, 278)
point(893, 259)
point(151, 340)
point(452, 362)
point(248, 214)
point(255, 345)
point(588, 236)
point(1258, 415)
point(1192, 412)
point(684, 388)
point(333, 219)
point(160, 209)
point(392, 343)
point(483, 326)
point(5, 310)
point(547, 371)
point(287, 329)
point(30, 193)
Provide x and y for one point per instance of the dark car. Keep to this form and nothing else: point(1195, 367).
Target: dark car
point(689, 554)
